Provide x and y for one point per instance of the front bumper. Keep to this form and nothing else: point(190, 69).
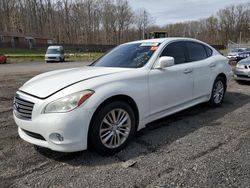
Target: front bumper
point(72, 126)
point(50, 59)
point(242, 74)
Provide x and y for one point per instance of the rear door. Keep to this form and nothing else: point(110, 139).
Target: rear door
point(199, 56)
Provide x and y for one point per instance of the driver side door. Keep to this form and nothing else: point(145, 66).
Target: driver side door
point(172, 87)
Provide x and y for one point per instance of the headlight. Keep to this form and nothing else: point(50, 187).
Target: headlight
point(240, 66)
point(68, 103)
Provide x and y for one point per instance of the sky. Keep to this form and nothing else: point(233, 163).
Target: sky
point(172, 11)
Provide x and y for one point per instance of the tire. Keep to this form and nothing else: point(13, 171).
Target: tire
point(103, 129)
point(218, 92)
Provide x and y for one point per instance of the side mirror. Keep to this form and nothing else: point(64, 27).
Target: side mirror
point(164, 62)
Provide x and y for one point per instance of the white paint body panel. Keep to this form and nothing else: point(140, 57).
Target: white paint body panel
point(157, 93)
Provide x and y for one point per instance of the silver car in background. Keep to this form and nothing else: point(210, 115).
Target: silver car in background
point(235, 53)
point(54, 54)
point(242, 70)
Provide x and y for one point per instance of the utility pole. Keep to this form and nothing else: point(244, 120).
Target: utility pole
point(144, 24)
point(240, 37)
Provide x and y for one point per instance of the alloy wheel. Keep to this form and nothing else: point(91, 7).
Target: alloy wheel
point(218, 92)
point(115, 128)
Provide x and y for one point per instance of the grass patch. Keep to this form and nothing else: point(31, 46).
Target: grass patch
point(13, 51)
point(224, 52)
point(24, 55)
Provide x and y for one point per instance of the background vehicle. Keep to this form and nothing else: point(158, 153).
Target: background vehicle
point(55, 54)
point(3, 59)
point(102, 105)
point(242, 70)
point(234, 53)
point(156, 34)
point(243, 55)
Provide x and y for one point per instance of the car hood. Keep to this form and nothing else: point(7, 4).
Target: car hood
point(46, 84)
point(52, 55)
point(245, 61)
point(233, 54)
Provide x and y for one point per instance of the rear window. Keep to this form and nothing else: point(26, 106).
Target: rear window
point(196, 51)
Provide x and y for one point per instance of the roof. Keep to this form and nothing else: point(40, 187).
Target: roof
point(16, 34)
point(55, 47)
point(158, 32)
point(161, 40)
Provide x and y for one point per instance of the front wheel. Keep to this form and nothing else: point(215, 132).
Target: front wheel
point(112, 128)
point(218, 92)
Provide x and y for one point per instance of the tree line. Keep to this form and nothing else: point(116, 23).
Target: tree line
point(229, 24)
point(114, 22)
point(75, 21)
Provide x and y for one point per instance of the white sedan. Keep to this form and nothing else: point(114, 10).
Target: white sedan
point(104, 104)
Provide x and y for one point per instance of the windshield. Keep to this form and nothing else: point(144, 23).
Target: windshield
point(128, 55)
point(53, 51)
point(237, 50)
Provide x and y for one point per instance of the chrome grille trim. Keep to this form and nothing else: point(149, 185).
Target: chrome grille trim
point(23, 108)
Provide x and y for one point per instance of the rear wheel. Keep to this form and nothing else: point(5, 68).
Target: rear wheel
point(218, 92)
point(112, 128)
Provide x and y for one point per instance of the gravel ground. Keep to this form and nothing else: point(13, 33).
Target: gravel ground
point(198, 147)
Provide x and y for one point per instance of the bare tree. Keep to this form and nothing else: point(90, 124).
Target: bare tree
point(114, 21)
point(142, 19)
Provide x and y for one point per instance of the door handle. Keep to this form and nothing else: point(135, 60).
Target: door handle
point(187, 71)
point(212, 65)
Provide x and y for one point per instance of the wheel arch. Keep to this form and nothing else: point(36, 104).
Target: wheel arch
point(121, 97)
point(223, 76)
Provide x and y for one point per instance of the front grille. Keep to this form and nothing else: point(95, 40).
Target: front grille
point(23, 108)
point(34, 135)
point(52, 57)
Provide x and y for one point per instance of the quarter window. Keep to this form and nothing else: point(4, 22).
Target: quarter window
point(209, 51)
point(176, 50)
point(196, 51)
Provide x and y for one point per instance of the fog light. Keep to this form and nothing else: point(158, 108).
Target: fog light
point(56, 137)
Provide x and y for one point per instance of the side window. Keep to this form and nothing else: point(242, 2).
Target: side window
point(209, 51)
point(176, 50)
point(196, 51)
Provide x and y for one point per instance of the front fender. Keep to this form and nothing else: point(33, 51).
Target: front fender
point(131, 90)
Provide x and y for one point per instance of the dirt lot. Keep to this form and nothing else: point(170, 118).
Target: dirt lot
point(199, 147)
